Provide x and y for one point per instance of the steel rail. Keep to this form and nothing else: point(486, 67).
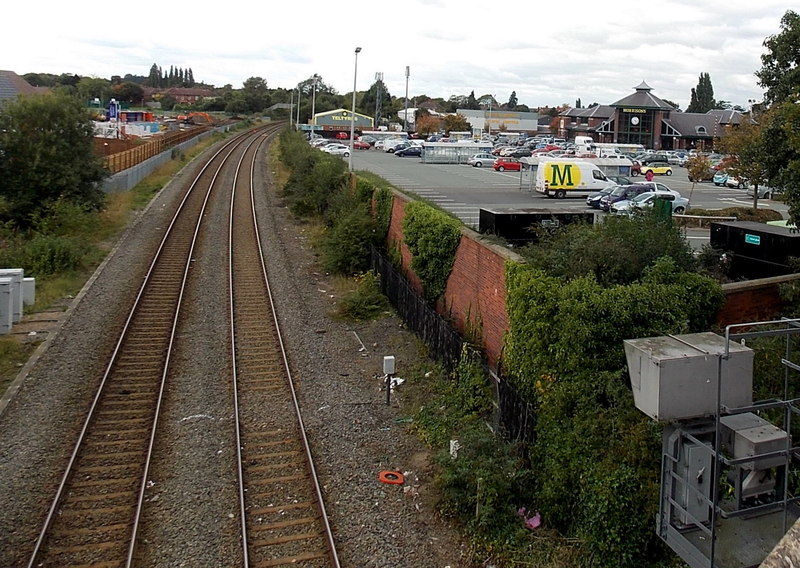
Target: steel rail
point(93, 409)
point(309, 461)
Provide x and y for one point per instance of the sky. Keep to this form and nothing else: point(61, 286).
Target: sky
point(549, 54)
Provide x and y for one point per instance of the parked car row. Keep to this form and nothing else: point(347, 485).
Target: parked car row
point(621, 197)
point(647, 200)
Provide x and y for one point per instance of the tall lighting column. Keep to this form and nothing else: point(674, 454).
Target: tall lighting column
point(297, 122)
point(314, 106)
point(405, 113)
point(291, 107)
point(353, 114)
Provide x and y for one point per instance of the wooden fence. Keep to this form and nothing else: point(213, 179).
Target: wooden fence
point(138, 154)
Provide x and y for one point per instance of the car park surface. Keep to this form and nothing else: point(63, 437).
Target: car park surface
point(463, 190)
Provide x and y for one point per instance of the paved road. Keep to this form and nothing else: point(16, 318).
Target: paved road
point(463, 190)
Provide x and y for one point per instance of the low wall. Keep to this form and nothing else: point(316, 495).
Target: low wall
point(475, 295)
point(753, 300)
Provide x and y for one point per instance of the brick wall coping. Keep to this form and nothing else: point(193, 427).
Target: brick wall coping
point(731, 287)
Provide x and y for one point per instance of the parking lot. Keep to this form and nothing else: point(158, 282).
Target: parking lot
point(463, 190)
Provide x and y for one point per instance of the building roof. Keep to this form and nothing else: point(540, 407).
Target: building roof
point(597, 111)
point(12, 85)
point(643, 98)
point(695, 124)
point(732, 117)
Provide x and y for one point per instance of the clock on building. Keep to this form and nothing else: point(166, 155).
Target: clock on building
point(634, 120)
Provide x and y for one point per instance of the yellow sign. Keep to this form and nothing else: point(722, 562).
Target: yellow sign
point(636, 110)
point(562, 175)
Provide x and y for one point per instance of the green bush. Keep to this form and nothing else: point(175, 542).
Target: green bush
point(63, 218)
point(45, 255)
point(365, 301)
point(564, 352)
point(615, 251)
point(432, 237)
point(345, 246)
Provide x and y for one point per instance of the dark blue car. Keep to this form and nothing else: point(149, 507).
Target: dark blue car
point(409, 151)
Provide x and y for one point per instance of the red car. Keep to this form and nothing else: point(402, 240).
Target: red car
point(511, 164)
point(359, 145)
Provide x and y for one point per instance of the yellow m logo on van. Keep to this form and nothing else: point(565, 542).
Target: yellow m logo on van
point(562, 175)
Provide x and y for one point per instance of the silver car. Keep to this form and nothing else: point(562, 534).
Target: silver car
point(764, 191)
point(478, 160)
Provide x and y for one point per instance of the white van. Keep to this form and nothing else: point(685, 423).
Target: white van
point(561, 177)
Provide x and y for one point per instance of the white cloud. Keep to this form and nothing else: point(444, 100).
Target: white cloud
point(549, 54)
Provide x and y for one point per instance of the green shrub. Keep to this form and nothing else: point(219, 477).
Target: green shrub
point(432, 237)
point(45, 255)
point(564, 352)
point(63, 218)
point(345, 246)
point(365, 301)
point(615, 251)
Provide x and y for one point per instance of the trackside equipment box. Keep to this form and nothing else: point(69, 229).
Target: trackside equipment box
point(675, 377)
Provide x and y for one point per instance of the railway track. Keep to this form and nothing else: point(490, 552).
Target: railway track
point(97, 512)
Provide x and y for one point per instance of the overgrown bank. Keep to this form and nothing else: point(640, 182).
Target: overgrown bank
point(588, 483)
point(63, 243)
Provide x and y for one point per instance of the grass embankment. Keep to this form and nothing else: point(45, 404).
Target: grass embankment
point(92, 235)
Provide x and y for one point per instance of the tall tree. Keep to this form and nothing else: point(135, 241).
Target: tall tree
point(255, 94)
point(90, 88)
point(780, 74)
point(512, 101)
point(154, 78)
point(472, 103)
point(702, 98)
point(46, 154)
point(781, 142)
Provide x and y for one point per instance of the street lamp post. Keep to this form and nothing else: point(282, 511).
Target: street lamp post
point(405, 113)
point(314, 107)
point(297, 121)
point(291, 107)
point(353, 113)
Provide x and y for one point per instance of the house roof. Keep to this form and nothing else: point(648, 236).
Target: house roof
point(12, 85)
point(643, 98)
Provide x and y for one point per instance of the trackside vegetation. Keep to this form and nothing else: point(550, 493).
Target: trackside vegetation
point(585, 492)
point(56, 223)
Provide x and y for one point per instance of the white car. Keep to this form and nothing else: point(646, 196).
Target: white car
point(647, 199)
point(337, 150)
point(737, 183)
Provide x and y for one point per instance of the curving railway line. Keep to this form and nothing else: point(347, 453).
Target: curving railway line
point(105, 500)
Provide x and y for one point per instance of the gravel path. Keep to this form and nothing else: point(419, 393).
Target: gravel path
point(354, 435)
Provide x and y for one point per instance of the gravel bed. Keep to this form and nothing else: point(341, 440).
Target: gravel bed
point(353, 433)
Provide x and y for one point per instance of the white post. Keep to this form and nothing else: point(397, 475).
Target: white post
point(405, 113)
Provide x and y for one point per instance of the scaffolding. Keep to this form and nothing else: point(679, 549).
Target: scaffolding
point(727, 494)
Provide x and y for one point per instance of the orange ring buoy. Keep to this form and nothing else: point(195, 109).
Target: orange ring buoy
point(391, 477)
